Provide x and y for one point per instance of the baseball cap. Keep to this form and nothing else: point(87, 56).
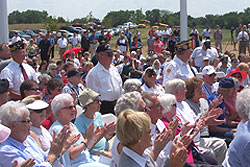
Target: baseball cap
point(104, 48)
point(205, 58)
point(72, 73)
point(4, 133)
point(87, 96)
point(207, 70)
point(37, 106)
point(4, 85)
point(227, 83)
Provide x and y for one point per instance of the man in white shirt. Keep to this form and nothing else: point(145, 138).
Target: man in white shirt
point(105, 79)
point(243, 38)
point(63, 44)
point(74, 40)
point(16, 38)
point(206, 33)
point(179, 66)
point(17, 71)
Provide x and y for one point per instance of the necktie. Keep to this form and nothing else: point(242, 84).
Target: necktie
point(25, 76)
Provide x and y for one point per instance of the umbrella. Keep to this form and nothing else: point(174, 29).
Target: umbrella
point(75, 49)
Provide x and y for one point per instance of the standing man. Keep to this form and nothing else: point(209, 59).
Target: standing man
point(128, 35)
point(85, 41)
point(237, 31)
point(105, 79)
point(102, 38)
point(52, 45)
point(44, 46)
point(93, 43)
point(243, 38)
point(74, 40)
point(179, 66)
point(17, 71)
point(218, 38)
point(16, 38)
point(206, 33)
point(63, 44)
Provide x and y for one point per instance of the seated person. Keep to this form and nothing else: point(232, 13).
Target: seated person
point(77, 155)
point(91, 103)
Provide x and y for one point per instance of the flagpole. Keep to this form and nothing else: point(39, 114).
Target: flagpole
point(183, 20)
point(4, 33)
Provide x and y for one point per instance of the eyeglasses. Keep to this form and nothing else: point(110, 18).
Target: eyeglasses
point(211, 75)
point(36, 89)
point(53, 69)
point(173, 105)
point(24, 121)
point(69, 107)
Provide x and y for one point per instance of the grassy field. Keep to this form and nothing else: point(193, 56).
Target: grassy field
point(144, 35)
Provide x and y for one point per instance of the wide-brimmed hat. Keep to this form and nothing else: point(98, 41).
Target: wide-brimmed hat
point(88, 96)
point(237, 70)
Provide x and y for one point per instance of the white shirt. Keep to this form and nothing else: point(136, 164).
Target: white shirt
point(206, 32)
point(43, 135)
point(168, 31)
point(159, 90)
point(15, 39)
point(74, 40)
point(176, 68)
point(14, 75)
point(107, 83)
point(186, 114)
point(243, 36)
point(158, 33)
point(62, 43)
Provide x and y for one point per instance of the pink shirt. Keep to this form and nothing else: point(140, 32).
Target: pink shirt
point(158, 46)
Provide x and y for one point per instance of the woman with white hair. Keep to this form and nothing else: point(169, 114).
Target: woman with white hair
point(238, 151)
point(78, 155)
point(131, 85)
point(19, 145)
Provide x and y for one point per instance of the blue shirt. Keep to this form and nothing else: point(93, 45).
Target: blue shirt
point(239, 150)
point(93, 37)
point(222, 106)
point(11, 150)
point(82, 123)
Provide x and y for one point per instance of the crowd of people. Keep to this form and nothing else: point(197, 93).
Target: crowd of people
point(177, 103)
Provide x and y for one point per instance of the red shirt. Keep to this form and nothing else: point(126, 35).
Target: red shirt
point(48, 122)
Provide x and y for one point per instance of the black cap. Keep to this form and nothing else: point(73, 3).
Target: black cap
point(4, 85)
point(228, 83)
point(104, 48)
point(73, 72)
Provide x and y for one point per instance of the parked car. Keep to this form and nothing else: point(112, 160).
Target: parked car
point(60, 32)
point(30, 32)
point(70, 29)
point(37, 31)
point(20, 33)
point(117, 31)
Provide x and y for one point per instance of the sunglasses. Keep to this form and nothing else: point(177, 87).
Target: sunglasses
point(24, 121)
point(36, 89)
point(173, 105)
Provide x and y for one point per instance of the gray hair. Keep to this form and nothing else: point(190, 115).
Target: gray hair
point(243, 103)
point(51, 65)
point(131, 85)
point(145, 96)
point(60, 101)
point(127, 101)
point(172, 85)
point(12, 111)
point(44, 77)
point(166, 101)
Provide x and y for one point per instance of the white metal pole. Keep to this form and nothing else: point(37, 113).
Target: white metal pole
point(183, 20)
point(4, 38)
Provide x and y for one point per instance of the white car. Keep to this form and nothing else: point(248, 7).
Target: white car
point(60, 32)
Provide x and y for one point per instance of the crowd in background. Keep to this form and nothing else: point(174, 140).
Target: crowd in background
point(177, 103)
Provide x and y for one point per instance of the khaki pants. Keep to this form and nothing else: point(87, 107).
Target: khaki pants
point(61, 51)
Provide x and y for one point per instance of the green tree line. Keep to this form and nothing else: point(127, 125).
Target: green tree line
point(115, 18)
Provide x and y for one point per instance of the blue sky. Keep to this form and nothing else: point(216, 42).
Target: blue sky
point(70, 9)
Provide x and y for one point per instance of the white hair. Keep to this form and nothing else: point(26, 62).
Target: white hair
point(147, 100)
point(131, 85)
point(167, 100)
point(60, 101)
point(127, 101)
point(172, 85)
point(51, 65)
point(243, 103)
point(12, 111)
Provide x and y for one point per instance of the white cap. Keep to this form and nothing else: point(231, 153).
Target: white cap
point(37, 105)
point(208, 70)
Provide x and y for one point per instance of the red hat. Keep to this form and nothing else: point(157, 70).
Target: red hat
point(237, 70)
